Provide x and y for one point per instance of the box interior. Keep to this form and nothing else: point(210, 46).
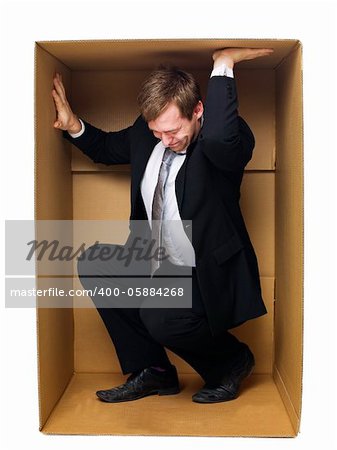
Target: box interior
point(76, 356)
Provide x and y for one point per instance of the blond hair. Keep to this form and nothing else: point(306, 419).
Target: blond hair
point(165, 85)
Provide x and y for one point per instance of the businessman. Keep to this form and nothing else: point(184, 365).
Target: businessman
point(187, 161)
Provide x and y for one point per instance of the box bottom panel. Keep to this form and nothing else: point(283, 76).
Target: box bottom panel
point(258, 411)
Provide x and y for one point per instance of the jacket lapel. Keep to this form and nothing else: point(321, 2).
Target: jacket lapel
point(144, 151)
point(180, 184)
point(145, 146)
point(181, 178)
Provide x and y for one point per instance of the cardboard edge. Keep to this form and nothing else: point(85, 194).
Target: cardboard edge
point(294, 418)
point(250, 39)
point(39, 381)
point(299, 47)
point(38, 360)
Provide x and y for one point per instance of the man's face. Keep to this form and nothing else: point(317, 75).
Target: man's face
point(175, 131)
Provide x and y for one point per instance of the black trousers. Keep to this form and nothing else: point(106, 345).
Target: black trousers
point(140, 334)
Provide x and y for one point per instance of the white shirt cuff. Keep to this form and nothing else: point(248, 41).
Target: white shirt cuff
point(222, 70)
point(76, 135)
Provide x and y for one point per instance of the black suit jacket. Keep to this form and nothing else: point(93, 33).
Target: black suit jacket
point(208, 194)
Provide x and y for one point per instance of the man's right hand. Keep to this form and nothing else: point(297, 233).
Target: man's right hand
point(66, 119)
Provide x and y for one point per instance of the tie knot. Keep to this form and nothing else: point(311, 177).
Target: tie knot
point(168, 156)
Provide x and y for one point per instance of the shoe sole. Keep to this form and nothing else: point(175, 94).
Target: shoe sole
point(214, 401)
point(170, 391)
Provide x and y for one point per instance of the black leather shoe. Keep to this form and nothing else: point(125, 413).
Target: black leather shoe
point(141, 384)
point(228, 388)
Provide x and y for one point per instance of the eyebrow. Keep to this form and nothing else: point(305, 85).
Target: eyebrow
point(168, 131)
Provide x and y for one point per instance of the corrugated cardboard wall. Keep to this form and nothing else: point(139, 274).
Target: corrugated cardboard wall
point(289, 233)
point(53, 184)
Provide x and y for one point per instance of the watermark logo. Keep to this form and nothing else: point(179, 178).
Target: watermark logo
point(138, 250)
point(97, 264)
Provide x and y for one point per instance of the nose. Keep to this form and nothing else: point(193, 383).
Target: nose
point(166, 140)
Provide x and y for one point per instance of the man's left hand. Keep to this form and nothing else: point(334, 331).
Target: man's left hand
point(231, 56)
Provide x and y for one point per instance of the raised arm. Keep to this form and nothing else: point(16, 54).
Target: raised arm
point(227, 139)
point(101, 146)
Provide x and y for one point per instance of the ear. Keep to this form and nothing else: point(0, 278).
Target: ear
point(199, 109)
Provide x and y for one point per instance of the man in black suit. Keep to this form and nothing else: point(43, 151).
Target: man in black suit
point(187, 161)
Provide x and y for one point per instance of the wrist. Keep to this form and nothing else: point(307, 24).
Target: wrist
point(222, 70)
point(227, 60)
point(75, 125)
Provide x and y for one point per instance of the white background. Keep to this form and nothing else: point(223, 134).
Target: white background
point(313, 23)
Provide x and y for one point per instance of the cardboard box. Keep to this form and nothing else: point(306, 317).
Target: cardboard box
point(75, 354)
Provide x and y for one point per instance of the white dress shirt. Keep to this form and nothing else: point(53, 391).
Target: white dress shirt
point(176, 243)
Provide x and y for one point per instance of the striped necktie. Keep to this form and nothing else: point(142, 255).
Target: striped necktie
point(158, 203)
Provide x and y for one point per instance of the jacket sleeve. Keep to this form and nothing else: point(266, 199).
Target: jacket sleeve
point(225, 137)
point(103, 147)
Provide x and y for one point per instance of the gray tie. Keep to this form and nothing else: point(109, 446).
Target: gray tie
point(158, 202)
